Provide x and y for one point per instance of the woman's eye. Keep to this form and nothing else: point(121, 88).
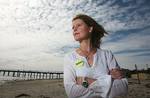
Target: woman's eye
point(72, 27)
point(79, 25)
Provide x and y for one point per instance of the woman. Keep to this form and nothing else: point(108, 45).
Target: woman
point(91, 72)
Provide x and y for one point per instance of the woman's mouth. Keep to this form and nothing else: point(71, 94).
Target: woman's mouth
point(76, 34)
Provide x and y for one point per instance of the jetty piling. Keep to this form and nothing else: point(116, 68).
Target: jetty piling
point(32, 74)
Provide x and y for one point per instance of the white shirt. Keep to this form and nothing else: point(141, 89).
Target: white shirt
point(104, 87)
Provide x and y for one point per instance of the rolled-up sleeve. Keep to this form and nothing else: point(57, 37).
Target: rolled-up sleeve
point(72, 89)
point(119, 86)
point(111, 60)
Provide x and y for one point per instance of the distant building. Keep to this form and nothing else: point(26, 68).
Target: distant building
point(142, 76)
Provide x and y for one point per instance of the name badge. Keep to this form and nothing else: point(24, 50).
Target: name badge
point(79, 63)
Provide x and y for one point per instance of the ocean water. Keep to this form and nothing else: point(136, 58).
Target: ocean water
point(4, 79)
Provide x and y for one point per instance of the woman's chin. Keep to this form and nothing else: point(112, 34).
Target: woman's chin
point(78, 39)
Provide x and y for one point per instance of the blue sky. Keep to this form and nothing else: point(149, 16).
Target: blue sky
point(36, 34)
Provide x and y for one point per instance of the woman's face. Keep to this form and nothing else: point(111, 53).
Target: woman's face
point(81, 30)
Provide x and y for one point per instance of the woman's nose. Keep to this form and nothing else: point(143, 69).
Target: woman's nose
point(75, 29)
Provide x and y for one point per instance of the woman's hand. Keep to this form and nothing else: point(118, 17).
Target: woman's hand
point(90, 80)
point(116, 73)
point(79, 80)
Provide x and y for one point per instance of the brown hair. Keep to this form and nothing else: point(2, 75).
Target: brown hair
point(97, 33)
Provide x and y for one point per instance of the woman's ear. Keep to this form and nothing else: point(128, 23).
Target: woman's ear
point(91, 29)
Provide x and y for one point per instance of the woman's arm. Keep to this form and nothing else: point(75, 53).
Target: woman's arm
point(114, 68)
point(120, 84)
point(116, 73)
point(72, 89)
point(79, 80)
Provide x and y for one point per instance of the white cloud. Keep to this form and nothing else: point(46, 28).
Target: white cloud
point(133, 42)
point(37, 32)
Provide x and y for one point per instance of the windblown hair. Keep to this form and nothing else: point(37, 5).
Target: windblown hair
point(97, 33)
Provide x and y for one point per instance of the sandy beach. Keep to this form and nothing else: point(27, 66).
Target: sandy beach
point(33, 89)
point(55, 89)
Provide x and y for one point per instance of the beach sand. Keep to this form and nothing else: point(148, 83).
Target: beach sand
point(33, 89)
point(55, 89)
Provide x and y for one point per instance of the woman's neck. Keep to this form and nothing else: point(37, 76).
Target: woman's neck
point(85, 45)
point(85, 49)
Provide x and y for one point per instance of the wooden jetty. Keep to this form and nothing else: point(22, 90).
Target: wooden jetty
point(32, 74)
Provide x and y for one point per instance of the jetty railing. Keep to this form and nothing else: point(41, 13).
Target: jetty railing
point(32, 74)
